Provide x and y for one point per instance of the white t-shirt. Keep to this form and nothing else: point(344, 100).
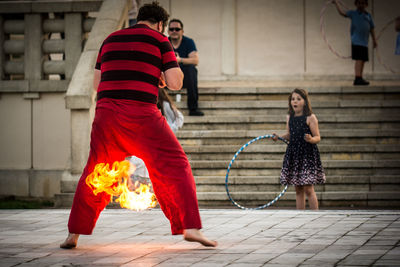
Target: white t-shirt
point(175, 120)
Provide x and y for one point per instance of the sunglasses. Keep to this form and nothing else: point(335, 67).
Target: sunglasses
point(174, 29)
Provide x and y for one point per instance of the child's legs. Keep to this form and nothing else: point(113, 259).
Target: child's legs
point(311, 196)
point(300, 198)
point(359, 68)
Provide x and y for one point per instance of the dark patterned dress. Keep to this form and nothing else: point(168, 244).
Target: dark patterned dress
point(302, 162)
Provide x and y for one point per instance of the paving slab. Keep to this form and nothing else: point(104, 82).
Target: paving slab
point(246, 238)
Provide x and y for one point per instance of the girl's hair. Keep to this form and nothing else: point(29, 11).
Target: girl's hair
point(163, 96)
point(307, 110)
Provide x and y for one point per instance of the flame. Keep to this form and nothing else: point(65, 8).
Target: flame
point(117, 183)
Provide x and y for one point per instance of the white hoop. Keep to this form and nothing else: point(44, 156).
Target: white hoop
point(322, 28)
point(229, 168)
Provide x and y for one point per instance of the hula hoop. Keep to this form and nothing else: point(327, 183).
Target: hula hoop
point(322, 28)
point(388, 68)
point(229, 168)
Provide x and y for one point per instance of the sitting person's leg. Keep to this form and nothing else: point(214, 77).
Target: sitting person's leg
point(190, 83)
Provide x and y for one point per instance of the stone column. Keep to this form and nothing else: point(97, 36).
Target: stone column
point(2, 55)
point(73, 42)
point(33, 57)
point(79, 101)
point(229, 37)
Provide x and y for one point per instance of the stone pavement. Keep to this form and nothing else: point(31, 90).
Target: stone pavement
point(246, 238)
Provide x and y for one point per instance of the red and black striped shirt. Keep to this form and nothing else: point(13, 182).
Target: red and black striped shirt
point(131, 61)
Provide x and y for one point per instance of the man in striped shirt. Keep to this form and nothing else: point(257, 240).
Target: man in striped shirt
point(127, 122)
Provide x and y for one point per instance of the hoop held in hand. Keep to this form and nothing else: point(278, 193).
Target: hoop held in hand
point(230, 165)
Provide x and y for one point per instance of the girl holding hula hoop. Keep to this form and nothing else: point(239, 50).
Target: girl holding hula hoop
point(302, 164)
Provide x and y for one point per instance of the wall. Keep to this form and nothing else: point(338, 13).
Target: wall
point(280, 39)
point(34, 143)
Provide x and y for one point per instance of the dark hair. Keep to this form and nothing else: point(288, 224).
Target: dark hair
point(175, 20)
point(153, 13)
point(163, 96)
point(307, 110)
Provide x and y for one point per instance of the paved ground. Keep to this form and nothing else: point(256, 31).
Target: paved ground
point(246, 238)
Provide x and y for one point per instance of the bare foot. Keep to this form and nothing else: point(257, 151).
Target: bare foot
point(194, 235)
point(70, 241)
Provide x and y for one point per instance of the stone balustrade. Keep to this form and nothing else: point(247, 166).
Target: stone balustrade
point(32, 32)
point(47, 57)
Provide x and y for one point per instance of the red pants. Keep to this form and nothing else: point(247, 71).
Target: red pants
point(124, 128)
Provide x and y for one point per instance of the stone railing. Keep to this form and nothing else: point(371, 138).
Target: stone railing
point(41, 42)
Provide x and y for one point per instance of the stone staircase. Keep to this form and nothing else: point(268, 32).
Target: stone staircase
point(360, 146)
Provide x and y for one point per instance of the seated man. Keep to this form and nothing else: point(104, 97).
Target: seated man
point(188, 58)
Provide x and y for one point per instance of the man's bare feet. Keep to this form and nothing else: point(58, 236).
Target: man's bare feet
point(194, 235)
point(70, 242)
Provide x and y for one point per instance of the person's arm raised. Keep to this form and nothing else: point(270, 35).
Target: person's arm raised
point(339, 9)
point(174, 78)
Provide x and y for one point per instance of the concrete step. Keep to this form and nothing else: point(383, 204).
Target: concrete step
point(241, 137)
point(240, 105)
point(270, 122)
point(331, 118)
point(279, 122)
point(283, 97)
point(276, 151)
point(282, 92)
point(249, 134)
point(281, 126)
point(271, 183)
point(267, 196)
point(274, 180)
point(277, 187)
point(273, 167)
point(272, 164)
point(64, 200)
point(279, 111)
